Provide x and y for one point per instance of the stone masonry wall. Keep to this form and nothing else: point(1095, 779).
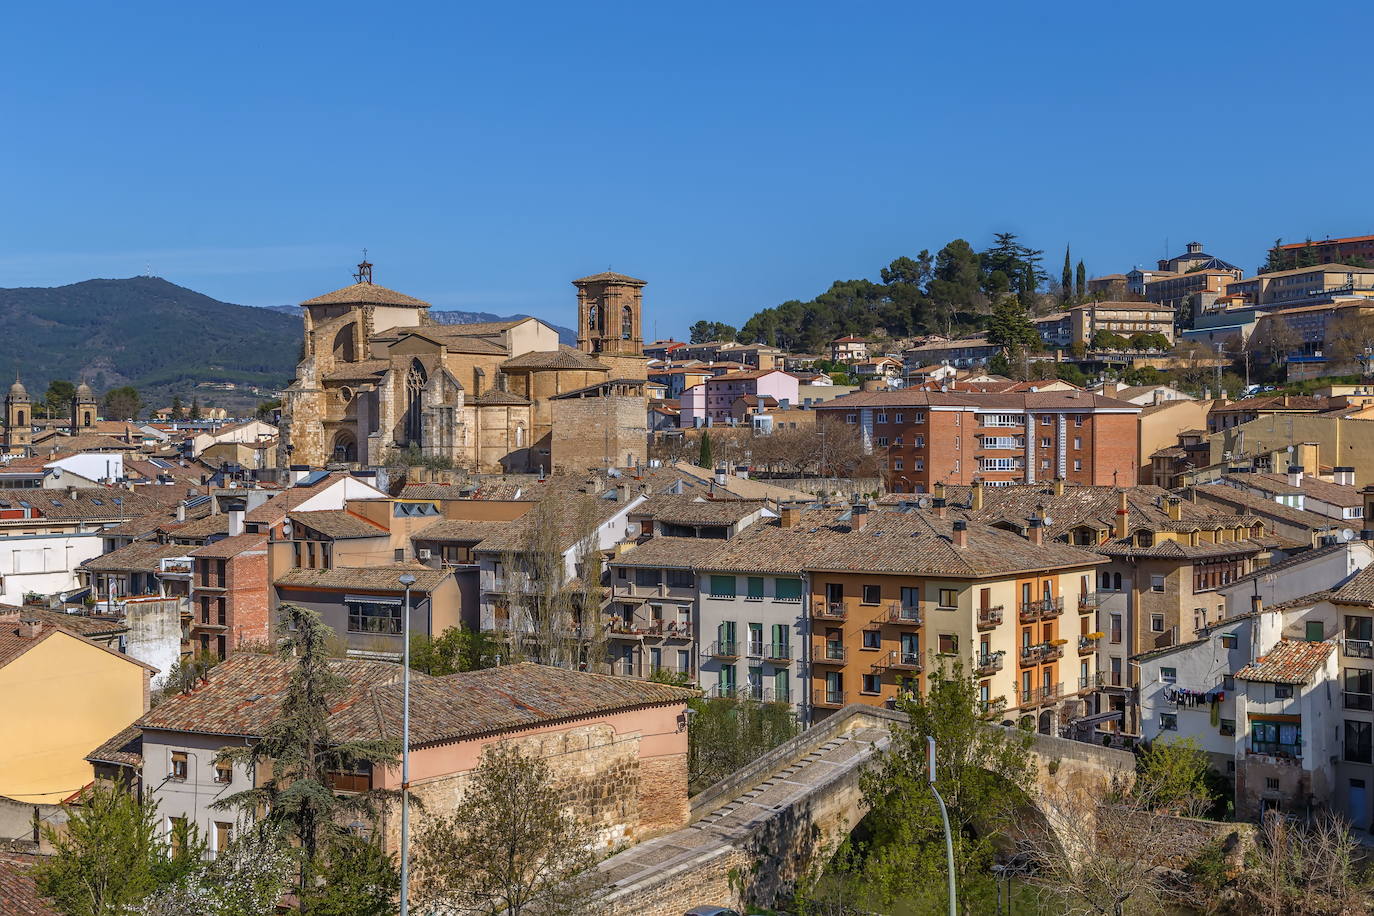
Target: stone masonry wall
point(712, 880)
point(589, 431)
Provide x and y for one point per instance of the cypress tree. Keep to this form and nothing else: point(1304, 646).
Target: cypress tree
point(1028, 285)
point(1066, 278)
point(704, 458)
point(1082, 286)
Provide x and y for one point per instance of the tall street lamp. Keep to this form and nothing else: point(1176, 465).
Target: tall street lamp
point(407, 580)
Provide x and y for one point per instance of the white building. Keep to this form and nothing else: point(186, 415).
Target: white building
point(1301, 574)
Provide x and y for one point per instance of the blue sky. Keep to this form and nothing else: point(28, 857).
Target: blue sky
point(734, 155)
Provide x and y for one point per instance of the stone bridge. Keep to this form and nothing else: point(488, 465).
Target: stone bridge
point(751, 835)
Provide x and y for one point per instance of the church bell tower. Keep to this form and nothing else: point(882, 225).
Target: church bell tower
point(18, 418)
point(609, 319)
point(83, 408)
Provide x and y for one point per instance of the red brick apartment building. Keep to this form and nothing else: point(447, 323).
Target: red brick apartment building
point(955, 437)
point(1326, 251)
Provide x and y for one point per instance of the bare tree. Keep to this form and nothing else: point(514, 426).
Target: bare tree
point(1275, 338)
point(1349, 338)
point(1306, 869)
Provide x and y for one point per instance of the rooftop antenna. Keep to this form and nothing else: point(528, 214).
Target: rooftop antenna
point(364, 274)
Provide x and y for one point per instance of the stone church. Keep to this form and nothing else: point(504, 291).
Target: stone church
point(379, 374)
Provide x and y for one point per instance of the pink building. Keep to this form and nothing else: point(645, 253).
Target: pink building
point(692, 406)
point(723, 390)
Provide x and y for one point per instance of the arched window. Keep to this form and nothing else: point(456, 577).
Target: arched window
point(627, 323)
point(415, 388)
point(19, 418)
point(519, 436)
point(1106, 580)
point(1116, 582)
point(591, 318)
point(344, 349)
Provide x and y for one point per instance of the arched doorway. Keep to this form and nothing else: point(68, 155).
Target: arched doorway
point(415, 389)
point(345, 447)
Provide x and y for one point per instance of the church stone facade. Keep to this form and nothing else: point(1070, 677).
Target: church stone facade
point(378, 374)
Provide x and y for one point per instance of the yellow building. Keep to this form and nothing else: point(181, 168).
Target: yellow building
point(64, 695)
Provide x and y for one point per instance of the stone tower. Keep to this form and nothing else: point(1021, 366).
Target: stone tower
point(18, 418)
point(83, 408)
point(609, 314)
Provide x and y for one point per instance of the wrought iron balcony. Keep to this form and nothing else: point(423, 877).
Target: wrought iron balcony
point(989, 617)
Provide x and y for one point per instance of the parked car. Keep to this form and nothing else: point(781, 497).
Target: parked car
point(711, 911)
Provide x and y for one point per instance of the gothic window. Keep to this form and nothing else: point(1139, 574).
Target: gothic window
point(519, 436)
point(627, 323)
point(19, 418)
point(591, 318)
point(415, 388)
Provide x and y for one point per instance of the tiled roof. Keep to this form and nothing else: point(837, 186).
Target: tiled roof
point(244, 693)
point(361, 370)
point(1334, 493)
point(562, 358)
point(1359, 590)
point(91, 504)
point(1013, 401)
point(124, 748)
point(17, 889)
point(477, 328)
point(435, 491)
point(458, 530)
point(95, 442)
point(199, 528)
point(693, 509)
point(1292, 562)
point(671, 552)
point(1291, 661)
point(230, 547)
point(1256, 504)
point(611, 276)
point(280, 505)
point(139, 556)
point(1275, 402)
point(80, 624)
point(375, 578)
point(339, 524)
point(13, 645)
point(497, 398)
point(573, 514)
point(453, 339)
point(893, 541)
point(364, 294)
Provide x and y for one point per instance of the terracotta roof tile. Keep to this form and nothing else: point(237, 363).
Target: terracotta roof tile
point(80, 624)
point(338, 524)
point(375, 578)
point(670, 553)
point(365, 294)
point(17, 889)
point(1291, 661)
point(124, 748)
point(464, 530)
point(693, 509)
point(91, 504)
point(139, 556)
point(231, 547)
point(562, 358)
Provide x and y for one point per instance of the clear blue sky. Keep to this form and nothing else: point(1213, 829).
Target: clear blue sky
point(734, 155)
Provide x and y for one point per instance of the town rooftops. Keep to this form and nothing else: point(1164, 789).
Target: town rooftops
point(88, 504)
point(338, 524)
point(242, 695)
point(671, 553)
point(1291, 661)
point(139, 556)
point(14, 640)
point(692, 509)
point(1324, 490)
point(80, 624)
point(371, 578)
point(459, 530)
point(1359, 590)
point(125, 748)
point(1012, 401)
point(226, 548)
point(17, 887)
point(564, 357)
point(366, 294)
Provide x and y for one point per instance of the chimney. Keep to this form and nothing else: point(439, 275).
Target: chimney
point(1123, 516)
point(237, 510)
point(720, 477)
point(938, 504)
point(1037, 531)
point(858, 516)
point(1175, 508)
point(1295, 475)
point(788, 516)
point(30, 627)
point(71, 491)
point(1059, 486)
point(939, 490)
point(181, 511)
point(961, 533)
point(298, 473)
point(1256, 603)
point(1345, 476)
point(622, 493)
point(977, 497)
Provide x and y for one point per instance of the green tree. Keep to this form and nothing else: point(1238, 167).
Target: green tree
point(1149, 340)
point(705, 331)
point(1011, 327)
point(1107, 340)
point(176, 407)
point(704, 458)
point(983, 771)
point(1028, 291)
point(511, 847)
point(246, 878)
point(111, 854)
point(1066, 279)
point(1171, 778)
point(298, 751)
point(58, 396)
point(1081, 283)
point(727, 734)
point(122, 403)
point(358, 878)
point(454, 650)
point(195, 409)
point(266, 410)
point(955, 282)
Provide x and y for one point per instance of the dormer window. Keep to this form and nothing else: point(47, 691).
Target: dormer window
point(1144, 538)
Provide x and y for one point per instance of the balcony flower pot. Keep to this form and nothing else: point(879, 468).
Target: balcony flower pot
point(1059, 642)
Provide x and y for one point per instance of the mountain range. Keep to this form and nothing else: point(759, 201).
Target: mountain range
point(157, 336)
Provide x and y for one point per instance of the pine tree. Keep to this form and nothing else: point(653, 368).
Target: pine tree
point(704, 458)
point(1081, 287)
point(1028, 289)
point(1066, 278)
point(195, 409)
point(176, 407)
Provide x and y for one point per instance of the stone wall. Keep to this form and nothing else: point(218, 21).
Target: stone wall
point(714, 878)
point(589, 432)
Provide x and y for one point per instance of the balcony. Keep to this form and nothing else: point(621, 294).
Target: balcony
point(1051, 692)
point(1089, 683)
point(1043, 609)
point(725, 691)
point(779, 653)
point(724, 648)
point(755, 650)
point(989, 663)
point(830, 610)
point(1358, 700)
point(1359, 648)
point(1042, 652)
point(622, 627)
point(1091, 600)
point(989, 617)
point(1087, 644)
point(673, 670)
point(900, 614)
point(826, 698)
point(900, 661)
point(832, 653)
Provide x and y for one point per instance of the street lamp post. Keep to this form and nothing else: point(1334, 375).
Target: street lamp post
point(944, 816)
point(407, 580)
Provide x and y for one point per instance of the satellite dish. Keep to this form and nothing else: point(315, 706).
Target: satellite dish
point(1048, 521)
point(632, 529)
point(286, 528)
point(1347, 534)
point(923, 502)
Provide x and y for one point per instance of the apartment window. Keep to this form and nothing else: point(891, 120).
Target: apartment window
point(1003, 419)
point(755, 589)
point(1156, 623)
point(1156, 582)
point(1044, 464)
point(949, 598)
point(918, 417)
point(224, 771)
point(1077, 443)
point(722, 586)
point(882, 417)
point(897, 464)
point(897, 418)
point(1228, 640)
point(1358, 742)
point(1359, 688)
point(1271, 783)
point(1283, 691)
point(222, 646)
point(1046, 420)
point(1078, 419)
point(882, 442)
point(374, 617)
point(223, 831)
point(787, 589)
point(919, 441)
point(646, 578)
point(1227, 727)
point(681, 578)
point(1168, 722)
point(949, 644)
point(872, 683)
point(1168, 675)
point(897, 440)
point(1046, 442)
point(919, 464)
point(872, 639)
point(178, 765)
point(872, 594)
point(1078, 464)
point(851, 418)
point(1228, 683)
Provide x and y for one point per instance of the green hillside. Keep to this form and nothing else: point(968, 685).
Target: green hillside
point(145, 332)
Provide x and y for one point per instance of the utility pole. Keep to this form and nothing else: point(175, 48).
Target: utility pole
point(944, 817)
point(407, 580)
